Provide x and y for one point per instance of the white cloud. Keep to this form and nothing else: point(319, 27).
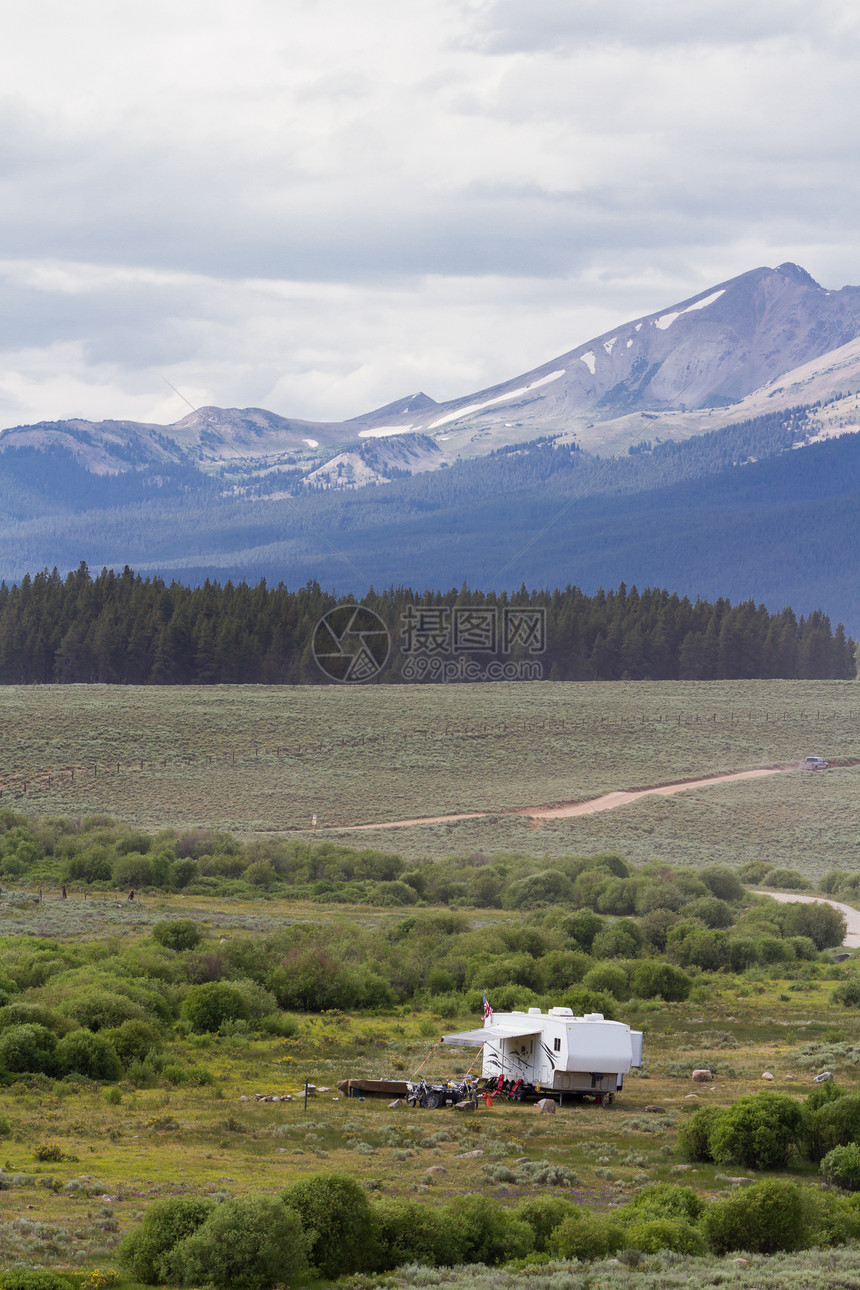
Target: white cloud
point(317, 207)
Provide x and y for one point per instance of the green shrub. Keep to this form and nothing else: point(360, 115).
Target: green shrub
point(144, 1253)
point(608, 977)
point(488, 1232)
point(208, 1006)
point(581, 928)
point(89, 866)
point(279, 1023)
point(758, 1132)
point(134, 1039)
point(101, 1009)
point(582, 1001)
point(841, 1167)
point(586, 1235)
point(694, 1134)
point(622, 939)
point(562, 968)
point(652, 979)
point(667, 1200)
point(338, 1216)
point(410, 1232)
point(848, 993)
point(178, 934)
point(33, 1014)
point(789, 879)
point(701, 947)
point(712, 911)
point(85, 1053)
point(543, 1215)
point(766, 1217)
point(27, 1049)
point(651, 1233)
point(49, 1153)
point(250, 1243)
point(822, 923)
point(33, 1279)
point(722, 882)
point(833, 1125)
point(5, 1127)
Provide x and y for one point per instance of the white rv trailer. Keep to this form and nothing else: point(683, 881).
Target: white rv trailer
point(554, 1052)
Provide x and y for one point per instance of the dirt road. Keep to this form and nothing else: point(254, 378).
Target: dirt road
point(852, 916)
point(562, 810)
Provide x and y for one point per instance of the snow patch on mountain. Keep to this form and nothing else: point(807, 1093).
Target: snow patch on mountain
point(382, 432)
point(500, 398)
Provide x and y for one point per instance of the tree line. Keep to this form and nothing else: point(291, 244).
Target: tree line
point(122, 628)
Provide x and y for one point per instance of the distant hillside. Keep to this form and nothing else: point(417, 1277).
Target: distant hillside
point(781, 530)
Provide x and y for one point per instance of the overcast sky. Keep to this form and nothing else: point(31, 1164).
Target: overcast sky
point(319, 206)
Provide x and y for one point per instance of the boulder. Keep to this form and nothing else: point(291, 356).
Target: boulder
point(767, 1075)
point(464, 1106)
point(436, 1169)
point(470, 1155)
point(655, 1110)
point(823, 1078)
point(398, 1101)
point(547, 1106)
point(703, 1077)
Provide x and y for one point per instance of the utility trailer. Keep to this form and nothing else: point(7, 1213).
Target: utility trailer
point(529, 1054)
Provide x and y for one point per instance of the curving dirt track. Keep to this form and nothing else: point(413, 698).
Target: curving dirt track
point(563, 810)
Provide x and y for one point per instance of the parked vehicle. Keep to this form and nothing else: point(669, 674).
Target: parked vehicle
point(533, 1054)
point(814, 763)
point(440, 1093)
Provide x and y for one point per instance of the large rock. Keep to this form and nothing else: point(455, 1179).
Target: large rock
point(547, 1106)
point(703, 1077)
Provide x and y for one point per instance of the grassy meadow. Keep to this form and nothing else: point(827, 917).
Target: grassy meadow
point(113, 1149)
point(257, 760)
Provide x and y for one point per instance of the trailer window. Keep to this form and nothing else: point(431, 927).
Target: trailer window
point(556, 1044)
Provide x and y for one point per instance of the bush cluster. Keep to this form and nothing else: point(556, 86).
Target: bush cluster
point(327, 1226)
point(771, 1131)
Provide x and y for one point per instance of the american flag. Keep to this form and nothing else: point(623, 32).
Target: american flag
point(488, 1011)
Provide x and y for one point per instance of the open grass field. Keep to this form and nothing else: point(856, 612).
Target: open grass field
point(257, 760)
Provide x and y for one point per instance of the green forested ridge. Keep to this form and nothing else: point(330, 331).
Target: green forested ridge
point(689, 515)
point(126, 629)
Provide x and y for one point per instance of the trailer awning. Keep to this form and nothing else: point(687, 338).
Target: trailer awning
point(486, 1034)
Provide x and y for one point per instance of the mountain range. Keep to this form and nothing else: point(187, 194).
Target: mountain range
point(665, 449)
